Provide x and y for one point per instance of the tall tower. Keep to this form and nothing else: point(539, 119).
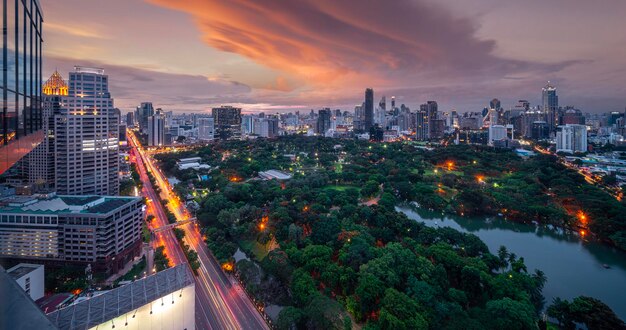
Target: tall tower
point(156, 129)
point(41, 160)
point(431, 110)
point(550, 105)
point(87, 137)
point(227, 122)
point(369, 109)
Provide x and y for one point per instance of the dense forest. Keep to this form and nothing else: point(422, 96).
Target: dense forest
point(329, 245)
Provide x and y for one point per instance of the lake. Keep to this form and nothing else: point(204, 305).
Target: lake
point(573, 266)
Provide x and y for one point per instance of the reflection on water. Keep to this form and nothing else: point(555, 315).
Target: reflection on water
point(574, 267)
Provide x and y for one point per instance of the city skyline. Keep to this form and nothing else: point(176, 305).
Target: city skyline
point(263, 57)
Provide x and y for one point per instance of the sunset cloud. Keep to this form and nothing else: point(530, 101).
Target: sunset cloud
point(376, 42)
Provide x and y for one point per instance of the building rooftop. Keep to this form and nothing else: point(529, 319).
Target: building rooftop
point(20, 270)
point(122, 300)
point(18, 311)
point(64, 204)
point(274, 174)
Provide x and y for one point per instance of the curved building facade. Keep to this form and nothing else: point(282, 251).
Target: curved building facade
point(21, 116)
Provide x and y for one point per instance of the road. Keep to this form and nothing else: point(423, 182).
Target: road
point(592, 179)
point(220, 301)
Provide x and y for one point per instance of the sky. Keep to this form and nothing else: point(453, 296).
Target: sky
point(290, 55)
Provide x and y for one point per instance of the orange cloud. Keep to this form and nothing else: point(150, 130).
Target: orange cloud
point(324, 40)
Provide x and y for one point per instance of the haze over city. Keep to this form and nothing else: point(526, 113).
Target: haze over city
point(285, 55)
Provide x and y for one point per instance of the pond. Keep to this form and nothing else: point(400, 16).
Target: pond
point(573, 266)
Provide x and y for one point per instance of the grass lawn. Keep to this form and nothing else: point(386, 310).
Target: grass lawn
point(259, 250)
point(341, 188)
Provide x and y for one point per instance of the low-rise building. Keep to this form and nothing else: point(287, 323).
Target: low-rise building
point(29, 277)
point(103, 231)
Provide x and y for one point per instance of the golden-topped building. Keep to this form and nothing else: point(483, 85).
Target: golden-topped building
point(55, 85)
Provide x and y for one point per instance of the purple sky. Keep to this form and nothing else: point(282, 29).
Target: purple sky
point(272, 55)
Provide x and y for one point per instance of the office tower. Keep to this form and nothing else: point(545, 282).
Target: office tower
point(86, 143)
point(572, 116)
point(571, 138)
point(144, 111)
point(393, 102)
point(550, 105)
point(130, 119)
point(156, 129)
point(102, 231)
point(495, 104)
point(383, 103)
point(357, 122)
point(368, 110)
point(430, 108)
point(323, 121)
point(523, 104)
point(540, 130)
point(227, 122)
point(497, 133)
point(437, 128)
point(40, 162)
point(272, 126)
point(247, 124)
point(21, 120)
point(206, 129)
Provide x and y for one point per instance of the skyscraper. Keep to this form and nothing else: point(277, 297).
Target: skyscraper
point(323, 121)
point(550, 104)
point(40, 162)
point(369, 109)
point(227, 122)
point(431, 109)
point(156, 129)
point(130, 120)
point(571, 138)
point(206, 129)
point(21, 119)
point(495, 104)
point(86, 137)
point(144, 111)
point(421, 125)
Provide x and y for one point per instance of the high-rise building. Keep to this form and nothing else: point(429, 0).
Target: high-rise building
point(495, 104)
point(39, 163)
point(206, 129)
point(421, 129)
point(86, 145)
point(550, 105)
point(497, 133)
point(323, 121)
point(21, 120)
point(247, 124)
point(130, 119)
point(382, 104)
point(368, 110)
point(571, 138)
point(431, 109)
point(156, 129)
point(144, 111)
point(227, 122)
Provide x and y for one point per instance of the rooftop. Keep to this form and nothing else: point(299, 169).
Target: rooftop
point(21, 312)
point(64, 204)
point(274, 174)
point(122, 300)
point(20, 270)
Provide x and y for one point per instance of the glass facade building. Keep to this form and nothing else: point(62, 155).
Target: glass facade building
point(21, 118)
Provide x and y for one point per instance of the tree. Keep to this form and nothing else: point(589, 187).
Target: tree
point(507, 313)
point(289, 318)
point(302, 287)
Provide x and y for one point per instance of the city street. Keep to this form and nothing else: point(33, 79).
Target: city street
point(220, 302)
